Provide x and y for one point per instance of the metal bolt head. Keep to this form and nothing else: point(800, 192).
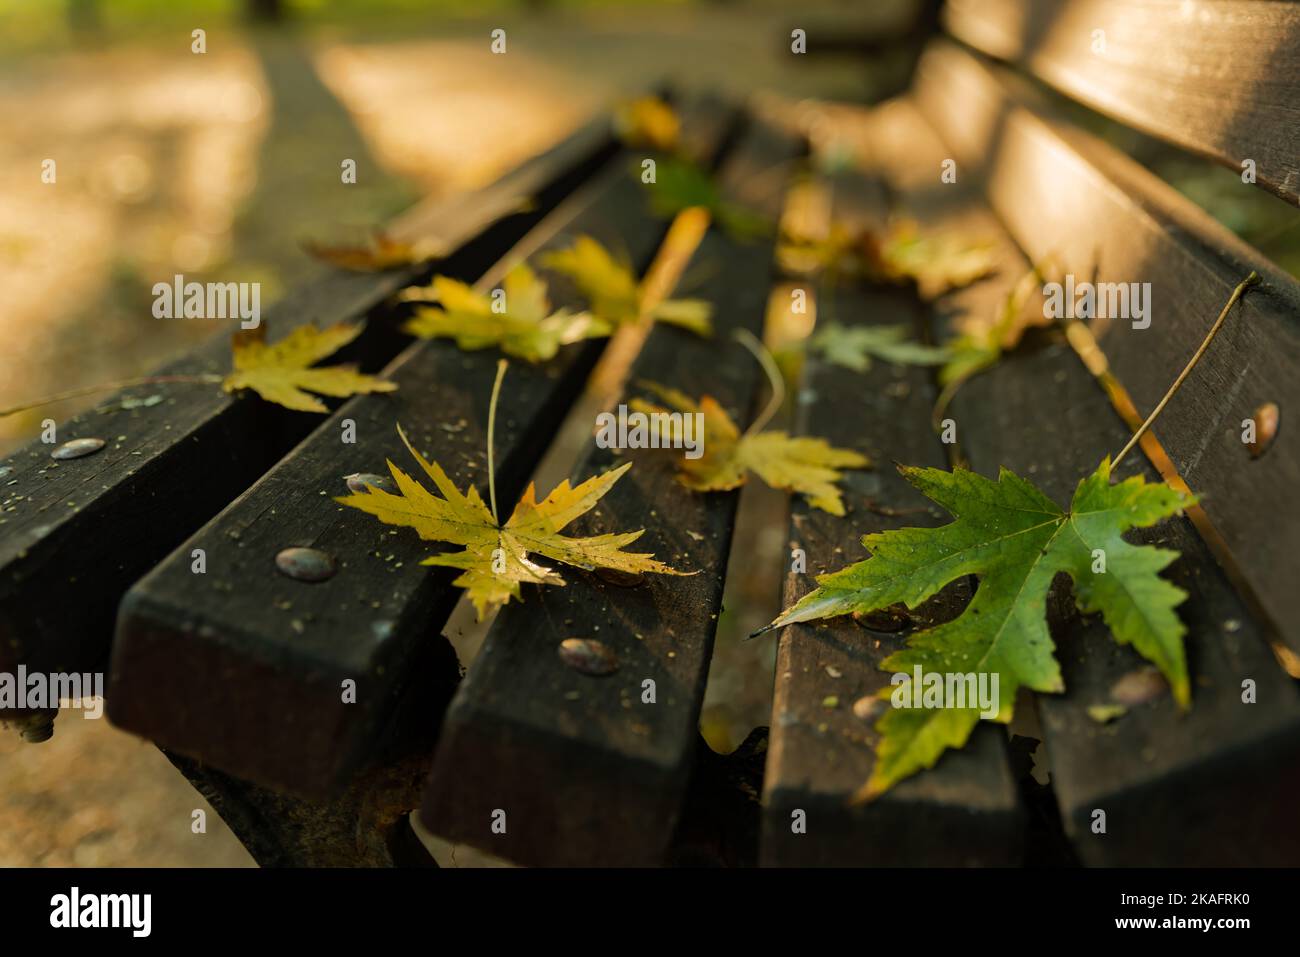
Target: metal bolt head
point(77, 448)
point(306, 564)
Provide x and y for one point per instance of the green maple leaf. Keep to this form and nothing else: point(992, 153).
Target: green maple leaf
point(1016, 540)
point(853, 346)
point(681, 184)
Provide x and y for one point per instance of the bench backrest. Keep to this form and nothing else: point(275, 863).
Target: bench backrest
point(1216, 76)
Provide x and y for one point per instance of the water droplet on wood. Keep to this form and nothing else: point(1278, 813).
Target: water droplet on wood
point(589, 656)
point(358, 481)
point(306, 564)
point(77, 448)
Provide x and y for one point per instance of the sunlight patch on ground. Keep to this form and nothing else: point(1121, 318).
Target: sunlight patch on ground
point(452, 115)
point(153, 156)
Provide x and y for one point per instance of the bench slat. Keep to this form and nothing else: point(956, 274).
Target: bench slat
point(243, 667)
point(85, 529)
point(586, 772)
point(966, 810)
point(1066, 196)
point(1160, 776)
point(1218, 77)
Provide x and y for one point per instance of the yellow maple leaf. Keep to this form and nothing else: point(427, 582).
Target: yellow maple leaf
point(379, 253)
point(611, 288)
point(525, 328)
point(937, 262)
point(496, 558)
point(279, 373)
point(803, 464)
point(647, 121)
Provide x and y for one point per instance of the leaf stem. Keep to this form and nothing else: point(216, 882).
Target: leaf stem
point(492, 428)
point(774, 379)
point(1237, 293)
point(204, 379)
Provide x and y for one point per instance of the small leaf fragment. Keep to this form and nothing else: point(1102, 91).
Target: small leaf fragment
point(853, 346)
point(380, 253)
point(647, 121)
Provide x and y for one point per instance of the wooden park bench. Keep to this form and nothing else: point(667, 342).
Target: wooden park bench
point(236, 673)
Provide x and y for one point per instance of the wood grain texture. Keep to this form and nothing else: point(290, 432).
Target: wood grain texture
point(243, 667)
point(1218, 77)
point(1210, 787)
point(587, 773)
point(1213, 787)
point(76, 534)
point(966, 810)
point(1063, 195)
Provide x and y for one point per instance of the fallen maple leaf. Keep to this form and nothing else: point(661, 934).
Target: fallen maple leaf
point(803, 464)
point(495, 560)
point(680, 184)
point(647, 121)
point(526, 328)
point(614, 294)
point(380, 253)
point(280, 373)
point(937, 263)
point(853, 346)
point(1016, 540)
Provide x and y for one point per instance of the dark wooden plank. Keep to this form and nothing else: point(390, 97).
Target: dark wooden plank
point(243, 667)
point(75, 534)
point(1212, 787)
point(586, 772)
point(966, 810)
point(1062, 194)
point(1218, 77)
